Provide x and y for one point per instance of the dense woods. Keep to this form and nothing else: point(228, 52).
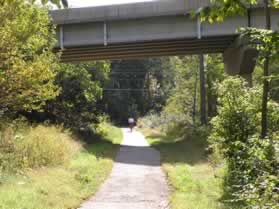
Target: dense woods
point(45, 105)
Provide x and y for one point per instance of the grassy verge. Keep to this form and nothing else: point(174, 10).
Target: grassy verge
point(64, 186)
point(195, 183)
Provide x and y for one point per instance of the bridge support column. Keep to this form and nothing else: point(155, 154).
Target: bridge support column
point(240, 59)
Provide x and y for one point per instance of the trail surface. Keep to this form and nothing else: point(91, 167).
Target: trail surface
point(136, 180)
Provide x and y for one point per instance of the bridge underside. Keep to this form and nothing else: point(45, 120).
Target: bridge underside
point(147, 49)
point(157, 28)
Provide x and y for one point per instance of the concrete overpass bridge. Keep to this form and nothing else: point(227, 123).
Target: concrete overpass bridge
point(154, 28)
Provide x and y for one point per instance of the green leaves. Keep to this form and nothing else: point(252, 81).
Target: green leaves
point(250, 159)
point(58, 3)
point(27, 62)
point(266, 41)
point(220, 9)
point(76, 106)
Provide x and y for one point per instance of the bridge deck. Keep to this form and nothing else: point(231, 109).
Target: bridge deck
point(157, 28)
point(150, 8)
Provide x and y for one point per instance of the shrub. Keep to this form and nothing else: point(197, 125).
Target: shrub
point(45, 146)
point(252, 177)
point(102, 129)
point(162, 120)
point(34, 147)
point(151, 120)
point(75, 107)
point(258, 170)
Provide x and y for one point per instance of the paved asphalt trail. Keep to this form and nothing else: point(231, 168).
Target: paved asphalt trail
point(136, 180)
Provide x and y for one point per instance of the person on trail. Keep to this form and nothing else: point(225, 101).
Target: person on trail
point(131, 122)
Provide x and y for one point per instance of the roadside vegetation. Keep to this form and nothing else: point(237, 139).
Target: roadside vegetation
point(195, 182)
point(218, 136)
point(56, 143)
point(225, 163)
point(46, 167)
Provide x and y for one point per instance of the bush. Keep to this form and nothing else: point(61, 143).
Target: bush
point(27, 66)
point(258, 170)
point(102, 129)
point(151, 120)
point(34, 147)
point(162, 120)
point(252, 177)
point(45, 146)
point(75, 107)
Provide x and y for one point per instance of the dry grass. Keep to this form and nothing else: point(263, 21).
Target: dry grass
point(62, 186)
point(35, 147)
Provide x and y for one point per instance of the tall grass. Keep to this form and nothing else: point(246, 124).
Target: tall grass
point(34, 147)
point(61, 186)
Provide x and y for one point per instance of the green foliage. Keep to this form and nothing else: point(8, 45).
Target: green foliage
point(151, 120)
point(179, 106)
point(150, 80)
point(160, 81)
point(258, 169)
point(103, 129)
point(76, 106)
point(214, 74)
point(252, 166)
point(220, 9)
point(265, 41)
point(126, 75)
point(274, 79)
point(65, 186)
point(27, 61)
point(170, 124)
point(58, 3)
point(23, 147)
point(182, 100)
point(195, 184)
point(236, 115)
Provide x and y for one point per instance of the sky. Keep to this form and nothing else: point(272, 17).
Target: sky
point(86, 3)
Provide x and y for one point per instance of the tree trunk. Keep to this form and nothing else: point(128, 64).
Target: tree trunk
point(195, 97)
point(210, 99)
point(202, 91)
point(265, 74)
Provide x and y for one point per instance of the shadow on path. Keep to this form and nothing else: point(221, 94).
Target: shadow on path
point(136, 180)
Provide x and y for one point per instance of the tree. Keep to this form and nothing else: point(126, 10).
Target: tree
point(76, 106)
point(194, 111)
point(202, 91)
point(27, 63)
point(58, 3)
point(224, 8)
point(265, 74)
point(160, 81)
point(214, 75)
point(252, 174)
point(139, 85)
point(266, 41)
point(180, 102)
